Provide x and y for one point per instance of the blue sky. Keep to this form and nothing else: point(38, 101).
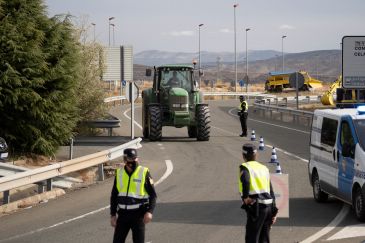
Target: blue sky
point(172, 25)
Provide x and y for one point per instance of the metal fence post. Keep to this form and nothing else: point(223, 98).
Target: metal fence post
point(101, 172)
point(71, 152)
point(49, 184)
point(6, 198)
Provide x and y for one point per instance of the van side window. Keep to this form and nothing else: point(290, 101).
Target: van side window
point(346, 137)
point(328, 131)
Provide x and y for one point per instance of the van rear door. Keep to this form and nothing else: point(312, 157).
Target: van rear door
point(326, 151)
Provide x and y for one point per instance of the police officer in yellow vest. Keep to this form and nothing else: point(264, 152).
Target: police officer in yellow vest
point(257, 196)
point(243, 114)
point(132, 200)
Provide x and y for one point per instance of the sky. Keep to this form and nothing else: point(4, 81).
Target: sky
point(172, 25)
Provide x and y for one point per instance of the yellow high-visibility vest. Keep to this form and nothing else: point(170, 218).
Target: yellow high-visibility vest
point(243, 103)
point(259, 178)
point(132, 186)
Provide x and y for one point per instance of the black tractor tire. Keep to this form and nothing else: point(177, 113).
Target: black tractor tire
point(358, 203)
point(154, 123)
point(203, 123)
point(146, 131)
point(319, 195)
point(192, 131)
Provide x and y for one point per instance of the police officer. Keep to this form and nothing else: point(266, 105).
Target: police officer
point(133, 199)
point(243, 114)
point(257, 196)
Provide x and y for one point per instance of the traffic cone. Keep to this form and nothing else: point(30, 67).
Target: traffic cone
point(261, 145)
point(278, 168)
point(253, 136)
point(274, 158)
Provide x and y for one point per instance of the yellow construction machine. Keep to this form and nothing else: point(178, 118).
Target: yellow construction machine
point(327, 98)
point(277, 81)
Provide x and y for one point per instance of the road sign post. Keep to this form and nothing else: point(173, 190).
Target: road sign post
point(131, 94)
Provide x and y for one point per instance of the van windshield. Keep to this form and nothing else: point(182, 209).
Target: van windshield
point(360, 131)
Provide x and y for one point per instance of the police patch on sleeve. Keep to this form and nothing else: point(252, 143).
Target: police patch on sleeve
point(151, 180)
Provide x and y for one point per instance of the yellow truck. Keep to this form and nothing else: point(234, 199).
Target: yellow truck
point(277, 81)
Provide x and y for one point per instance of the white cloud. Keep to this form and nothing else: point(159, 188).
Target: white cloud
point(225, 30)
point(286, 27)
point(180, 33)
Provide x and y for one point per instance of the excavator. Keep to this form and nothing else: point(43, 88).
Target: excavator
point(344, 97)
point(327, 98)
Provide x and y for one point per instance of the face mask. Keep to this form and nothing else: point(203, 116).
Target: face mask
point(132, 165)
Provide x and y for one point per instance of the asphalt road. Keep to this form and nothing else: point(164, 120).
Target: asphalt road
point(198, 201)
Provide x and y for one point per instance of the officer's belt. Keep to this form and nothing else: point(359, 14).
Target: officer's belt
point(129, 207)
point(265, 201)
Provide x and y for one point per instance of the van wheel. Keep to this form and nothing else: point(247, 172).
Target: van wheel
point(318, 194)
point(359, 204)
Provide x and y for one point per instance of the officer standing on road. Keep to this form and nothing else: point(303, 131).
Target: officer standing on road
point(257, 196)
point(243, 114)
point(133, 199)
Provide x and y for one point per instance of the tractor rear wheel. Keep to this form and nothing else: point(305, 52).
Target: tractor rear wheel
point(203, 123)
point(192, 131)
point(154, 123)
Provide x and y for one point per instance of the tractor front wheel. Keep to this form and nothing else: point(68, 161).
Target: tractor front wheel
point(203, 123)
point(154, 123)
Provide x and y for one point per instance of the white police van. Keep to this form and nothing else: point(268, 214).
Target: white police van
point(337, 156)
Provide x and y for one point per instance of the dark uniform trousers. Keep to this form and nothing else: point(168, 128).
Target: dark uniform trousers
point(259, 223)
point(243, 120)
point(130, 220)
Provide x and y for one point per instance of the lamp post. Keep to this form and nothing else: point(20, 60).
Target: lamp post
point(282, 49)
point(93, 24)
point(235, 47)
point(111, 18)
point(200, 79)
point(113, 33)
point(247, 30)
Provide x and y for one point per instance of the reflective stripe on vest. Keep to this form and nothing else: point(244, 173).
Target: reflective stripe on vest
point(243, 103)
point(259, 178)
point(136, 183)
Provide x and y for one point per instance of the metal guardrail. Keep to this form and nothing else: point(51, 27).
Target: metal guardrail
point(290, 111)
point(108, 124)
point(48, 172)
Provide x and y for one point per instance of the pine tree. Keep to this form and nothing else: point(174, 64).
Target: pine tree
point(39, 70)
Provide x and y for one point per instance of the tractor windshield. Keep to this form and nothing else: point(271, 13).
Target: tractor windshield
point(176, 79)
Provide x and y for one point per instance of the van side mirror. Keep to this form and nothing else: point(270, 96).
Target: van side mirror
point(347, 150)
point(148, 72)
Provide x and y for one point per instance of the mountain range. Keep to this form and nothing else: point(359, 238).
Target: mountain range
point(324, 65)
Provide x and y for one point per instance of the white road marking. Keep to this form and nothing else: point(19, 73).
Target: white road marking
point(266, 123)
point(349, 232)
point(332, 225)
point(125, 114)
point(169, 169)
point(345, 208)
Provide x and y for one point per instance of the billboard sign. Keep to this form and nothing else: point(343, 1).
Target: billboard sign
point(353, 62)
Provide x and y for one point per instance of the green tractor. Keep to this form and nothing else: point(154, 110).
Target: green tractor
point(174, 100)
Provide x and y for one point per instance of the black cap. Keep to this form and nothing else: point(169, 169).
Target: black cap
point(242, 97)
point(130, 153)
point(249, 149)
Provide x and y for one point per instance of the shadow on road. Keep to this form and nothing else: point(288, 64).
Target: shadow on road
point(304, 212)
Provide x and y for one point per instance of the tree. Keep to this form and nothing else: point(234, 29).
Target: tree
point(39, 73)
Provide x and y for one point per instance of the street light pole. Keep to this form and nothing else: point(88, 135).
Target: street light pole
point(200, 79)
point(235, 47)
point(113, 34)
point(248, 29)
point(93, 24)
point(282, 49)
point(111, 18)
